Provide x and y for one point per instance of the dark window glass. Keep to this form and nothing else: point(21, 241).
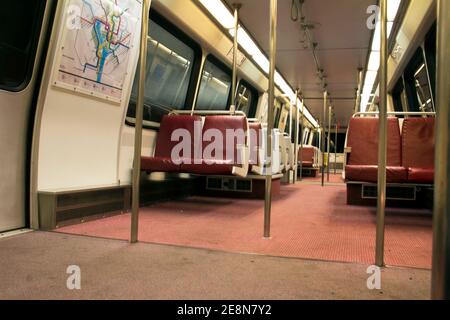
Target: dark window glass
point(277, 113)
point(247, 99)
point(215, 86)
point(20, 26)
point(286, 130)
point(417, 86)
point(286, 127)
point(169, 73)
point(423, 89)
point(399, 97)
point(430, 53)
point(316, 139)
point(308, 136)
point(340, 142)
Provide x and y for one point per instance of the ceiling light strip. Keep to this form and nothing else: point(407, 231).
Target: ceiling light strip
point(224, 17)
point(367, 96)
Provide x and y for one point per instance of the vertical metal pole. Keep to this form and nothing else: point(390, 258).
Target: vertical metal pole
point(322, 142)
point(328, 144)
point(138, 125)
point(301, 141)
point(198, 84)
point(335, 148)
point(294, 166)
point(296, 137)
point(290, 120)
point(236, 7)
point(359, 90)
point(271, 106)
point(441, 222)
point(381, 199)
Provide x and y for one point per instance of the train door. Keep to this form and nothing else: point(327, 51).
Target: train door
point(21, 43)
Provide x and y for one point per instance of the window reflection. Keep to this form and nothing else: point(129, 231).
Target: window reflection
point(215, 86)
point(168, 72)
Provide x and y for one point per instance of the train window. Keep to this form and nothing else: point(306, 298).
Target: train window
point(396, 96)
point(277, 113)
point(339, 145)
point(215, 86)
point(20, 25)
point(171, 59)
point(247, 99)
point(399, 96)
point(430, 54)
point(287, 128)
point(316, 139)
point(417, 85)
point(423, 89)
point(307, 136)
point(282, 122)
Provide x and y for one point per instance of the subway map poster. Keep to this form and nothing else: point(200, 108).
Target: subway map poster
point(97, 42)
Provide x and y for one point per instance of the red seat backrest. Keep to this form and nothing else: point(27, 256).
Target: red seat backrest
point(308, 154)
point(255, 143)
point(215, 124)
point(169, 124)
point(363, 140)
point(418, 139)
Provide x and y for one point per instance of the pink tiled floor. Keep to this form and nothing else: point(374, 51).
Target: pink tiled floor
point(308, 221)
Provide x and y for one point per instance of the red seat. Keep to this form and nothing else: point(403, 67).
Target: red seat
point(158, 164)
point(362, 162)
point(255, 143)
point(418, 149)
point(224, 157)
point(307, 157)
point(164, 161)
point(368, 173)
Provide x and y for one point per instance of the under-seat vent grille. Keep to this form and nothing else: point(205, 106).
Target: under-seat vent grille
point(392, 193)
point(228, 184)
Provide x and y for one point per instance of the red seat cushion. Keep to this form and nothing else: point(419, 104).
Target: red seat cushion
point(307, 164)
point(155, 164)
point(369, 173)
point(418, 149)
point(218, 167)
point(421, 175)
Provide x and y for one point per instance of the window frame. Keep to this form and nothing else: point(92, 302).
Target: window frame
point(430, 59)
point(31, 52)
point(196, 66)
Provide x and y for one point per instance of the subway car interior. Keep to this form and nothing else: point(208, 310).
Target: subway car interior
point(225, 149)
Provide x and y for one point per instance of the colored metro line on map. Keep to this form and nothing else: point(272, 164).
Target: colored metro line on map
point(96, 49)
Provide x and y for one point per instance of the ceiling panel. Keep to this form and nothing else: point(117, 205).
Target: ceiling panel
point(343, 40)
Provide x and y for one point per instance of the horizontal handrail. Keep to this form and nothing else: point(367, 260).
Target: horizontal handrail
point(146, 123)
point(208, 112)
point(375, 113)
